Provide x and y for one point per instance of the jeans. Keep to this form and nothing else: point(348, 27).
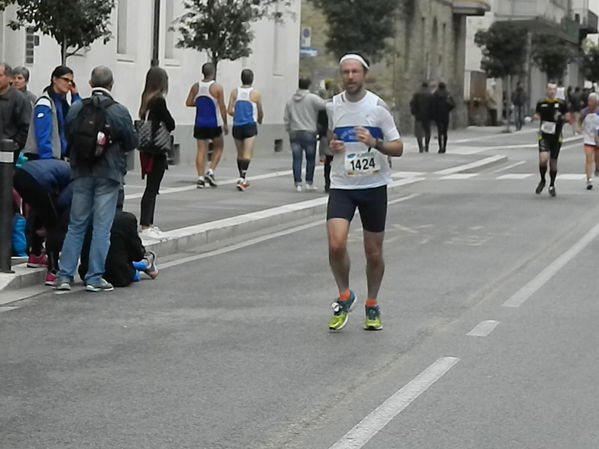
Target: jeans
point(94, 203)
point(422, 129)
point(303, 141)
point(519, 116)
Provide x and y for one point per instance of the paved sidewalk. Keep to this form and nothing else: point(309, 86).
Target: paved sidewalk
point(193, 217)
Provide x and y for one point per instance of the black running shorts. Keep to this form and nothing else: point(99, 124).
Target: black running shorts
point(202, 133)
point(245, 131)
point(371, 203)
point(550, 145)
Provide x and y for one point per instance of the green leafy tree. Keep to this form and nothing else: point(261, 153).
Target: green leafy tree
point(551, 55)
point(223, 28)
point(504, 52)
point(74, 24)
point(590, 63)
point(360, 24)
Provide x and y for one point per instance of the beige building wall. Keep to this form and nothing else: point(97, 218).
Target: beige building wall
point(429, 45)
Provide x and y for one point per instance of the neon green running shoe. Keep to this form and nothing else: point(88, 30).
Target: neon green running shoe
point(373, 319)
point(341, 311)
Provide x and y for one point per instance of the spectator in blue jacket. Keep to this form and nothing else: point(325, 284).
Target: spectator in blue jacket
point(95, 187)
point(47, 138)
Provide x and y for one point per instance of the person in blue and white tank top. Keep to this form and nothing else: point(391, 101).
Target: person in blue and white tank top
point(245, 106)
point(362, 137)
point(208, 97)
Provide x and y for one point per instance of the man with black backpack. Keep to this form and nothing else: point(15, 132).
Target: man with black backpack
point(100, 132)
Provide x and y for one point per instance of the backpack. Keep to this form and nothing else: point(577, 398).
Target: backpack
point(92, 133)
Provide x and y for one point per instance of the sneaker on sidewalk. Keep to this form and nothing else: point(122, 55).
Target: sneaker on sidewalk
point(40, 261)
point(102, 286)
point(373, 319)
point(153, 233)
point(152, 269)
point(311, 187)
point(210, 178)
point(50, 279)
point(200, 184)
point(552, 190)
point(341, 311)
point(589, 184)
point(62, 284)
point(298, 188)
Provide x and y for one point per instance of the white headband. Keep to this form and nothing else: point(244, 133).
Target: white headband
point(354, 57)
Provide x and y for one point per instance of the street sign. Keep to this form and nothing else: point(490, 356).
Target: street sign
point(308, 52)
point(306, 37)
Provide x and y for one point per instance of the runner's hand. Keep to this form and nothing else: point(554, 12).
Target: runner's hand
point(336, 145)
point(226, 129)
point(365, 137)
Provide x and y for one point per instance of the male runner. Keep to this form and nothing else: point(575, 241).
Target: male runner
point(363, 136)
point(589, 126)
point(553, 112)
point(207, 96)
point(245, 106)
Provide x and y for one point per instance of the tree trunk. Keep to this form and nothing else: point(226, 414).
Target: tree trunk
point(508, 103)
point(63, 52)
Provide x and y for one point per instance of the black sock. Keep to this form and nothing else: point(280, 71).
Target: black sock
point(242, 166)
point(542, 171)
point(552, 175)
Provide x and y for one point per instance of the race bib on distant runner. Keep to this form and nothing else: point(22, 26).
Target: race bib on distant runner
point(548, 127)
point(361, 164)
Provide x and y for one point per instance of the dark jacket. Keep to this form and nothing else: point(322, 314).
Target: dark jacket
point(442, 105)
point(125, 248)
point(52, 175)
point(15, 115)
point(519, 97)
point(113, 164)
point(421, 105)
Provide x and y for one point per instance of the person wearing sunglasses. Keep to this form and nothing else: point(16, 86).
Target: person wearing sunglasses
point(46, 138)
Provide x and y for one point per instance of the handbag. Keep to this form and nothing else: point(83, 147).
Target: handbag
point(153, 136)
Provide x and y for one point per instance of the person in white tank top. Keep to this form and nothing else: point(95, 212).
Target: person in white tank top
point(208, 98)
point(363, 135)
point(589, 126)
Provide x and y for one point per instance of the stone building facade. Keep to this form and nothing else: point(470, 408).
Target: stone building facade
point(429, 44)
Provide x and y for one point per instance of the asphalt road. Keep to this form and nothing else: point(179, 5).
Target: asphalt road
point(230, 349)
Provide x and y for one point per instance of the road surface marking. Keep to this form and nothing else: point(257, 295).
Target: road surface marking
point(515, 176)
point(7, 308)
point(571, 177)
point(457, 176)
point(518, 298)
point(509, 167)
point(357, 437)
point(483, 329)
point(471, 165)
point(256, 240)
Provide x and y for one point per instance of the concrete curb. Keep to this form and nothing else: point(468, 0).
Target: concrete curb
point(183, 239)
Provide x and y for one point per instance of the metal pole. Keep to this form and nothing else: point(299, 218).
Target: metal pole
point(7, 149)
point(156, 35)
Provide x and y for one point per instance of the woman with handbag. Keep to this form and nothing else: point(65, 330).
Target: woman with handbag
point(153, 160)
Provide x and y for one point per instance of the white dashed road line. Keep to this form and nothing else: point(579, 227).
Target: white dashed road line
point(357, 437)
point(483, 329)
point(518, 298)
